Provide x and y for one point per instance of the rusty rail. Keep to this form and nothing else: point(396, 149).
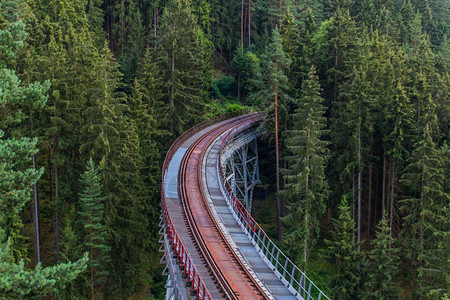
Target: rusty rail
point(179, 249)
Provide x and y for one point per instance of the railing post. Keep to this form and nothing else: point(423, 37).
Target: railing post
point(276, 260)
point(198, 287)
point(193, 279)
point(285, 268)
point(309, 291)
point(292, 274)
point(300, 284)
point(271, 255)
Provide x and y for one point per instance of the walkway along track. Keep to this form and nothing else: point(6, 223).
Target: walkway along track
point(231, 277)
point(200, 225)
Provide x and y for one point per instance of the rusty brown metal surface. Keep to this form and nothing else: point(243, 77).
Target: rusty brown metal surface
point(232, 278)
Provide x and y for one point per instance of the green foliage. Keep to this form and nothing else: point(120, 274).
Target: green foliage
point(293, 44)
point(183, 59)
point(272, 81)
point(15, 153)
point(92, 219)
point(383, 265)
point(306, 185)
point(223, 88)
point(383, 66)
point(245, 68)
point(17, 179)
point(111, 138)
point(15, 188)
point(342, 251)
point(14, 10)
point(96, 16)
point(426, 223)
point(17, 282)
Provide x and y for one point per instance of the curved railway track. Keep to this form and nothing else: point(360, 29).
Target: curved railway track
point(226, 269)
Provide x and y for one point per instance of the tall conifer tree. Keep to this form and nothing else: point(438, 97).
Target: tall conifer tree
point(183, 59)
point(426, 222)
point(92, 219)
point(306, 185)
point(16, 180)
point(273, 96)
point(111, 138)
point(383, 265)
point(342, 250)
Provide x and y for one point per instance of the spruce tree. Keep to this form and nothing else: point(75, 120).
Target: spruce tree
point(183, 60)
point(343, 41)
point(382, 265)
point(426, 225)
point(96, 17)
point(16, 180)
point(110, 137)
point(292, 47)
point(61, 49)
point(306, 186)
point(273, 96)
point(342, 252)
point(91, 217)
point(351, 125)
point(245, 68)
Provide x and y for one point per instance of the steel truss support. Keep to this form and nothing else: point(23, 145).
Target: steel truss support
point(242, 172)
point(175, 287)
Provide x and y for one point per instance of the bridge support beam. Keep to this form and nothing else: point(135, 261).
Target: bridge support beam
point(175, 284)
point(241, 170)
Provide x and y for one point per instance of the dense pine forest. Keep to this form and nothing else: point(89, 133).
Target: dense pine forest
point(355, 96)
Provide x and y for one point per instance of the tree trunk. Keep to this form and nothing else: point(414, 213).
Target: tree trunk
point(58, 215)
point(359, 181)
point(242, 24)
point(280, 16)
point(283, 204)
point(36, 218)
point(369, 208)
point(353, 194)
point(249, 23)
point(239, 86)
point(35, 210)
point(124, 42)
point(58, 206)
point(172, 92)
point(92, 255)
point(277, 155)
point(383, 188)
point(336, 61)
point(391, 212)
point(50, 185)
point(155, 16)
point(307, 206)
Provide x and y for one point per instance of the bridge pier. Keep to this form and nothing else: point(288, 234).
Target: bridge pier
point(241, 166)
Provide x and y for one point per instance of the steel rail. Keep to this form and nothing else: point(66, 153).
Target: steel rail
point(203, 248)
point(179, 249)
point(217, 274)
point(216, 225)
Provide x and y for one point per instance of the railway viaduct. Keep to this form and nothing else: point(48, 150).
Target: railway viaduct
point(213, 248)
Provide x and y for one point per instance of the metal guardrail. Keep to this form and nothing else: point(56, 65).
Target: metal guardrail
point(291, 276)
point(179, 249)
point(184, 259)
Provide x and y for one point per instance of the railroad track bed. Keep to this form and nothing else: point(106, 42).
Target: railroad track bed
point(228, 278)
point(231, 228)
point(177, 215)
point(220, 249)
